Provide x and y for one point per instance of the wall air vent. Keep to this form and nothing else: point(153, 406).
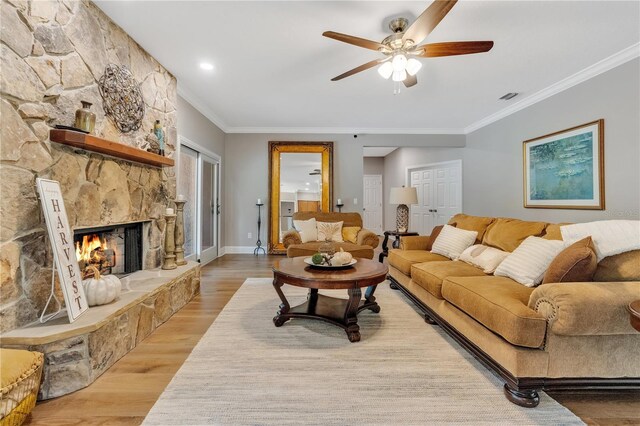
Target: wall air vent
point(509, 96)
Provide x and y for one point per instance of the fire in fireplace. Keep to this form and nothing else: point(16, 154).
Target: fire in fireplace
point(113, 249)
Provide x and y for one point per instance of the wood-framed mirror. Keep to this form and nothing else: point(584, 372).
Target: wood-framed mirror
point(300, 179)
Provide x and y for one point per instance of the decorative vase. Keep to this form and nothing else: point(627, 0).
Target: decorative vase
point(179, 232)
point(157, 130)
point(85, 119)
point(169, 241)
point(327, 247)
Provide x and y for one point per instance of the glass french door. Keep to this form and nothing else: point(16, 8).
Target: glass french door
point(199, 183)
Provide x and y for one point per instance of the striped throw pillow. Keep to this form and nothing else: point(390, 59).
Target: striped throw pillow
point(452, 241)
point(530, 260)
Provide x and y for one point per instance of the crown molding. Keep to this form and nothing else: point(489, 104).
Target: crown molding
point(617, 59)
point(195, 102)
point(347, 130)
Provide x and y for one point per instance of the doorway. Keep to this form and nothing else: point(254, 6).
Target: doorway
point(372, 203)
point(439, 188)
point(199, 183)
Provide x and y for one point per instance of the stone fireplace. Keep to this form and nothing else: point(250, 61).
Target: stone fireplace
point(114, 249)
point(53, 54)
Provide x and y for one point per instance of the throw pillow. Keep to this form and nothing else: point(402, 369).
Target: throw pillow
point(434, 234)
point(451, 241)
point(307, 228)
point(529, 261)
point(330, 231)
point(484, 257)
point(350, 234)
point(576, 263)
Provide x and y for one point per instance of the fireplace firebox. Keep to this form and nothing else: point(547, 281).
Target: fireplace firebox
point(114, 249)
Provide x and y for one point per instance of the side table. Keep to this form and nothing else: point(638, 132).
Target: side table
point(396, 242)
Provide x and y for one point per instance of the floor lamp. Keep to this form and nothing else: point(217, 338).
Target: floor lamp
point(402, 197)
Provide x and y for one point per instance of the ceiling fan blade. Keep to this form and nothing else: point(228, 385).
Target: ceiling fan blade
point(360, 68)
point(356, 41)
point(453, 48)
point(428, 20)
point(410, 81)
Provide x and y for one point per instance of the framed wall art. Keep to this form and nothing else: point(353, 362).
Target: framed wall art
point(565, 169)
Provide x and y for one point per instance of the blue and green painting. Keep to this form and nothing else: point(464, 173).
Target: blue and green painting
point(562, 169)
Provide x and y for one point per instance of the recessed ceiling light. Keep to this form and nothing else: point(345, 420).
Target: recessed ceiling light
point(307, 183)
point(206, 66)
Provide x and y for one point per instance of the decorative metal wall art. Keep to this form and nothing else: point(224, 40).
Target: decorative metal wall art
point(122, 99)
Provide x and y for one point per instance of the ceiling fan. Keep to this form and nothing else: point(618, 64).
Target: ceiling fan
point(315, 172)
point(402, 47)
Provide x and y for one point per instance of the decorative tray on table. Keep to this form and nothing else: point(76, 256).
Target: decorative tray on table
point(309, 262)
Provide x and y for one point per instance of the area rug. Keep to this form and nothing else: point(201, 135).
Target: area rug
point(246, 371)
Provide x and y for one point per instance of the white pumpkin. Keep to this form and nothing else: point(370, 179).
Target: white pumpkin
point(341, 258)
point(101, 289)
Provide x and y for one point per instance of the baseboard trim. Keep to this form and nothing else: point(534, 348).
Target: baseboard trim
point(236, 250)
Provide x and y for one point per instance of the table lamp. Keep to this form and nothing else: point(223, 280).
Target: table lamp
point(402, 197)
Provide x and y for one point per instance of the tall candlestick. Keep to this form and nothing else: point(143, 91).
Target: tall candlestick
point(179, 231)
point(169, 242)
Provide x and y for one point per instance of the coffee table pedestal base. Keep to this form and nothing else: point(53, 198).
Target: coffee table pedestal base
point(339, 312)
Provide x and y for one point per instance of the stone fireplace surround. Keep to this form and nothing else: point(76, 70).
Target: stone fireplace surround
point(53, 53)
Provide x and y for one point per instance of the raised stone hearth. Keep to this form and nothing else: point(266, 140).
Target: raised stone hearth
point(77, 354)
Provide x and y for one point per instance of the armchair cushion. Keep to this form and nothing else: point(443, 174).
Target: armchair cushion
point(311, 248)
point(329, 231)
point(350, 233)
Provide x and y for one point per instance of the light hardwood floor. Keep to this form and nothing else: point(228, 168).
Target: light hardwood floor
point(128, 390)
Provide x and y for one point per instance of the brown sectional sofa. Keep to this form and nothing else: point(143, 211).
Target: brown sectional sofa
point(365, 243)
point(556, 336)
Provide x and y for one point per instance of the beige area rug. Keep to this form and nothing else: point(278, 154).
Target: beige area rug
point(244, 370)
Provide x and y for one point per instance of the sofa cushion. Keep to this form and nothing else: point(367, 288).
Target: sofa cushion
point(620, 267)
point(310, 248)
point(500, 304)
point(507, 234)
point(576, 263)
point(403, 259)
point(471, 223)
point(452, 241)
point(431, 274)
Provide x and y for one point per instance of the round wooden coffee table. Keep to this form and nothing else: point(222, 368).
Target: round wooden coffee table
point(634, 314)
point(340, 312)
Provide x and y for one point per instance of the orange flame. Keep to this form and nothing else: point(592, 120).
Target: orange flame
point(89, 243)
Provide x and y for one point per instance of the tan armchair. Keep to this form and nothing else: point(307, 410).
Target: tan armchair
point(366, 240)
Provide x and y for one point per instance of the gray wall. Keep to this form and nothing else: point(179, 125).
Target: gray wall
point(200, 130)
point(492, 165)
point(246, 172)
point(395, 171)
point(373, 166)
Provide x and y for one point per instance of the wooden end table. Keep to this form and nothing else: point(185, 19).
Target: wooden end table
point(340, 312)
point(634, 314)
point(396, 242)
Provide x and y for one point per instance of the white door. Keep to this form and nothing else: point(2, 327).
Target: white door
point(439, 188)
point(372, 203)
point(199, 183)
point(209, 209)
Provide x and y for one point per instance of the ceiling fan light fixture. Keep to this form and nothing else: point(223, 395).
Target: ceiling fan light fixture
point(399, 62)
point(385, 70)
point(413, 66)
point(399, 75)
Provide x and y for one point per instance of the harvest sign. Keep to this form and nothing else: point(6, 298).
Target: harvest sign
point(61, 238)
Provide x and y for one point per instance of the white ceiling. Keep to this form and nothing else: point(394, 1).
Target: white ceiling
point(273, 67)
